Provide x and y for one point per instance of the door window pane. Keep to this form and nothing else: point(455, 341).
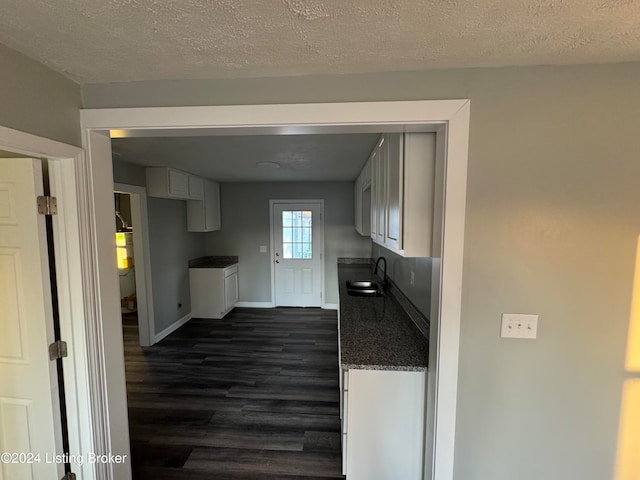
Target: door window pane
point(297, 234)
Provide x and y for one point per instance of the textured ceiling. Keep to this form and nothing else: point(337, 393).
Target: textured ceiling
point(93, 41)
point(336, 157)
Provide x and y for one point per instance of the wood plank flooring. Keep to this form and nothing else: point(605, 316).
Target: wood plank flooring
point(252, 396)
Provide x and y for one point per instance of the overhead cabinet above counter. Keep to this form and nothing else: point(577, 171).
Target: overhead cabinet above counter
point(394, 194)
point(202, 195)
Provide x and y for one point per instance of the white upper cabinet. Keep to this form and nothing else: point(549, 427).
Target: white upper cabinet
point(204, 215)
point(196, 188)
point(362, 201)
point(203, 195)
point(163, 182)
point(379, 192)
point(402, 170)
point(395, 190)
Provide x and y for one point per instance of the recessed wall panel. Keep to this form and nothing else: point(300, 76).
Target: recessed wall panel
point(11, 321)
point(7, 210)
point(15, 437)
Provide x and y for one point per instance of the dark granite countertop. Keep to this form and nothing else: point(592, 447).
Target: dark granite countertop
point(376, 333)
point(213, 262)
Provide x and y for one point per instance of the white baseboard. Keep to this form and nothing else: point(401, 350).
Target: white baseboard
point(255, 304)
point(173, 327)
point(326, 306)
point(330, 306)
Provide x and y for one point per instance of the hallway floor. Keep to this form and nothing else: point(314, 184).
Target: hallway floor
point(252, 396)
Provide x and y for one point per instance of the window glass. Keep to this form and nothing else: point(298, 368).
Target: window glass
point(297, 234)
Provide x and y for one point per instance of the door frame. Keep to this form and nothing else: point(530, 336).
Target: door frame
point(141, 255)
point(449, 119)
point(70, 234)
point(272, 247)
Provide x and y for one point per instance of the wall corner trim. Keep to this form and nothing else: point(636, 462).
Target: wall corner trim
point(173, 327)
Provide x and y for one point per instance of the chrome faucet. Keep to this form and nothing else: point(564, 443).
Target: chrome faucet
point(385, 281)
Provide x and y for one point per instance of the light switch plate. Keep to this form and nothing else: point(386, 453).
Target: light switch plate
point(519, 325)
point(263, 249)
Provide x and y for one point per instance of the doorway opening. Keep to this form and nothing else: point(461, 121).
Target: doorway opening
point(449, 119)
point(132, 261)
point(297, 247)
point(125, 261)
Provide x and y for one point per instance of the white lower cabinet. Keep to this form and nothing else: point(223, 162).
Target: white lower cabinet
point(383, 418)
point(214, 291)
point(231, 289)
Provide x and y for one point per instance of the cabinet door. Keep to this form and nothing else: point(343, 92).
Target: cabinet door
point(365, 175)
point(357, 205)
point(375, 198)
point(394, 183)
point(212, 206)
point(230, 291)
point(178, 183)
point(196, 187)
point(381, 191)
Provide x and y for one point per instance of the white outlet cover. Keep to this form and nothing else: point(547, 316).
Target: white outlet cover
point(263, 249)
point(519, 325)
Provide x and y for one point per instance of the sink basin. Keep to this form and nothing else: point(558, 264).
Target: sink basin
point(361, 284)
point(365, 292)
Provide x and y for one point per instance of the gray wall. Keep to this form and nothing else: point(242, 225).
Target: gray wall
point(128, 173)
point(37, 100)
point(171, 247)
point(552, 222)
point(245, 226)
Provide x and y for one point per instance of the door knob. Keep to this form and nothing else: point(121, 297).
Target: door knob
point(277, 261)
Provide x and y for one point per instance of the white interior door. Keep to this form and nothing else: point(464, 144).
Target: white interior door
point(29, 401)
point(298, 235)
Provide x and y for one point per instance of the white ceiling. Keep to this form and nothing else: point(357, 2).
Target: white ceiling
point(333, 157)
point(93, 41)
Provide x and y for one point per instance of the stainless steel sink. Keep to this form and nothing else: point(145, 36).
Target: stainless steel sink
point(361, 284)
point(365, 292)
point(363, 288)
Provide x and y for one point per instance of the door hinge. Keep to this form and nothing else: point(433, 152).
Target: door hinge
point(69, 476)
point(47, 205)
point(57, 350)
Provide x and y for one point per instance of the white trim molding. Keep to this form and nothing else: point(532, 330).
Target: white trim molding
point(64, 164)
point(142, 259)
point(173, 327)
point(448, 118)
point(272, 243)
point(330, 306)
point(255, 304)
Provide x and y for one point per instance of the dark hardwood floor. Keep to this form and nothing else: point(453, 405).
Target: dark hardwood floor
point(252, 396)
